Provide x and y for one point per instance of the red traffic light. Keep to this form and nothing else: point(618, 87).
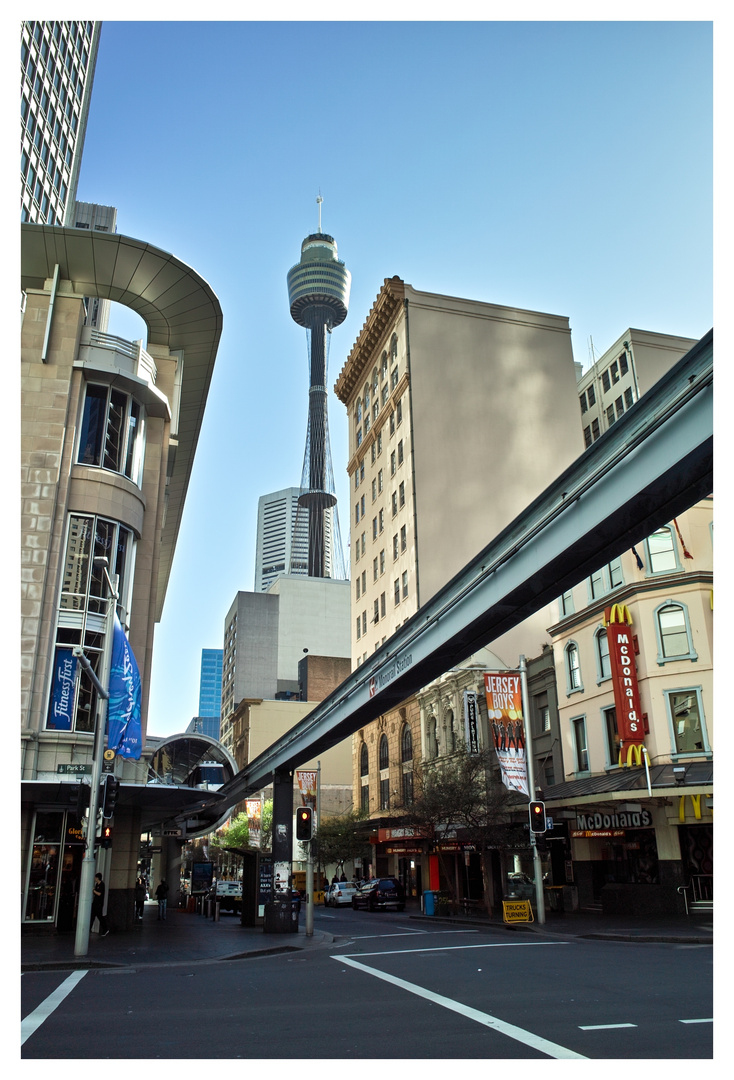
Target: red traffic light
point(537, 817)
point(304, 824)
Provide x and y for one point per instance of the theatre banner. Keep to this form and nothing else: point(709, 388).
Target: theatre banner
point(307, 785)
point(630, 723)
point(505, 713)
point(471, 722)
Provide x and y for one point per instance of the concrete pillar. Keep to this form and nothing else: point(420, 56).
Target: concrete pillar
point(282, 830)
point(172, 859)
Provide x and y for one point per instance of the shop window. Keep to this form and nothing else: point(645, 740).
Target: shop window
point(673, 633)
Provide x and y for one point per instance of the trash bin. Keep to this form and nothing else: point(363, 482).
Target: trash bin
point(280, 917)
point(429, 907)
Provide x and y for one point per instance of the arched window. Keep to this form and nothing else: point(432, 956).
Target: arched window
point(112, 432)
point(450, 732)
point(364, 768)
point(406, 744)
point(384, 759)
point(603, 664)
point(573, 668)
point(384, 754)
point(673, 633)
point(431, 737)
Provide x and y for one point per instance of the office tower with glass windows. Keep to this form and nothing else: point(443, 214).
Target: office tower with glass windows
point(57, 61)
point(210, 683)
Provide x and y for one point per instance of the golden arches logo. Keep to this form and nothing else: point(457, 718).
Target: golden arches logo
point(634, 755)
point(695, 802)
point(618, 613)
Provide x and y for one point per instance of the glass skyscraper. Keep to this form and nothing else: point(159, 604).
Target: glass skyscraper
point(210, 683)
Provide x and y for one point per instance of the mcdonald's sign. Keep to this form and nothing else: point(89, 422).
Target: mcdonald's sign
point(630, 723)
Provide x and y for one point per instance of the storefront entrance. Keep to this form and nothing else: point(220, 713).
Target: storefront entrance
point(52, 881)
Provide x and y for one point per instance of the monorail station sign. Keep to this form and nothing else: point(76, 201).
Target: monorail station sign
point(605, 825)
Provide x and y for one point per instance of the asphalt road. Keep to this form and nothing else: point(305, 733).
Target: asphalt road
point(387, 989)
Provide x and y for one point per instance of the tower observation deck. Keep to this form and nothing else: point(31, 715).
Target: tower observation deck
point(318, 292)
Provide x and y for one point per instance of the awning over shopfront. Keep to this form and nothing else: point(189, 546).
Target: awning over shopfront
point(686, 778)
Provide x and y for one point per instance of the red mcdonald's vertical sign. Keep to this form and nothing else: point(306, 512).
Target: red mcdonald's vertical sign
point(630, 725)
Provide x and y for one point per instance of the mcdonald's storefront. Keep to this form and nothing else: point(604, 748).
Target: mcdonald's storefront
point(631, 852)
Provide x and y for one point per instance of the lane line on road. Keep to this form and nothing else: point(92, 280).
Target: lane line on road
point(527, 1038)
point(412, 933)
point(603, 1027)
point(704, 1020)
point(450, 948)
point(33, 1021)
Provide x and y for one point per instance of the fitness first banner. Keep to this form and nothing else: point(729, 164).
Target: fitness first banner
point(504, 712)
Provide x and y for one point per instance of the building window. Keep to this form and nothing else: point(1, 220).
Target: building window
point(395, 551)
point(541, 711)
point(81, 619)
point(401, 493)
point(573, 668)
point(581, 754)
point(431, 737)
point(384, 762)
point(610, 415)
point(364, 770)
point(450, 732)
point(595, 430)
point(400, 452)
point(661, 551)
point(399, 412)
point(565, 604)
point(405, 584)
point(376, 611)
point(394, 503)
point(582, 400)
point(605, 381)
point(396, 591)
point(673, 633)
point(403, 538)
point(605, 579)
point(611, 736)
point(685, 712)
point(382, 606)
point(112, 432)
point(603, 663)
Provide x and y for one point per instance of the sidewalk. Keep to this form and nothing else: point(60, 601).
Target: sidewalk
point(182, 938)
point(186, 938)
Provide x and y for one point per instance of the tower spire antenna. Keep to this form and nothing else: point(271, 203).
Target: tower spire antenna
point(319, 200)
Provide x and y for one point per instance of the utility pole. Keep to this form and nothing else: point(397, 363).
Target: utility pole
point(86, 880)
point(537, 867)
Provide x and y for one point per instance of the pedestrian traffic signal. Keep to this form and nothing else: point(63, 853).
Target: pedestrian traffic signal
point(108, 795)
point(537, 817)
point(106, 839)
point(304, 824)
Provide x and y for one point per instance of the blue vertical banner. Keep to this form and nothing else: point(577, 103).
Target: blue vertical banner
point(61, 705)
point(124, 734)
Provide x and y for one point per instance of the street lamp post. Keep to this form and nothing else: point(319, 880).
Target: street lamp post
point(86, 880)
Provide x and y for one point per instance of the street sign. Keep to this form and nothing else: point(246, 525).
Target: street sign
point(76, 768)
point(517, 911)
point(108, 761)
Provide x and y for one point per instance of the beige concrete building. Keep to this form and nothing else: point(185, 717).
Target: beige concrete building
point(108, 435)
point(634, 363)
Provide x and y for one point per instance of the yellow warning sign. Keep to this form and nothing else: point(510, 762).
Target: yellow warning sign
point(517, 911)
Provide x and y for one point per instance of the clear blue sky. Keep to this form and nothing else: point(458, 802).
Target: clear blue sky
point(562, 167)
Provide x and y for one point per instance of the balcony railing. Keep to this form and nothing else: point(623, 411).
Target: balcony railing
point(128, 355)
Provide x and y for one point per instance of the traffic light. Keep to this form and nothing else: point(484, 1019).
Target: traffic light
point(304, 824)
point(108, 795)
point(106, 838)
point(537, 817)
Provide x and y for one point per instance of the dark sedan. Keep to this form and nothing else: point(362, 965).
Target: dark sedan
point(380, 893)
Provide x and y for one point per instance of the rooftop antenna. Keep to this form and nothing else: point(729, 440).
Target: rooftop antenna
point(319, 200)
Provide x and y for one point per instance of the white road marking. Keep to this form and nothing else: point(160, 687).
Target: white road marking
point(705, 1020)
point(33, 1021)
point(450, 948)
point(603, 1027)
point(411, 933)
point(527, 1038)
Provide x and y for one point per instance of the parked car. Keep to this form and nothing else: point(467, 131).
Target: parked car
point(341, 892)
point(380, 893)
point(520, 887)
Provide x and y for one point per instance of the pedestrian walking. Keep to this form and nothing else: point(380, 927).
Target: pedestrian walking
point(98, 906)
point(161, 895)
point(140, 892)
